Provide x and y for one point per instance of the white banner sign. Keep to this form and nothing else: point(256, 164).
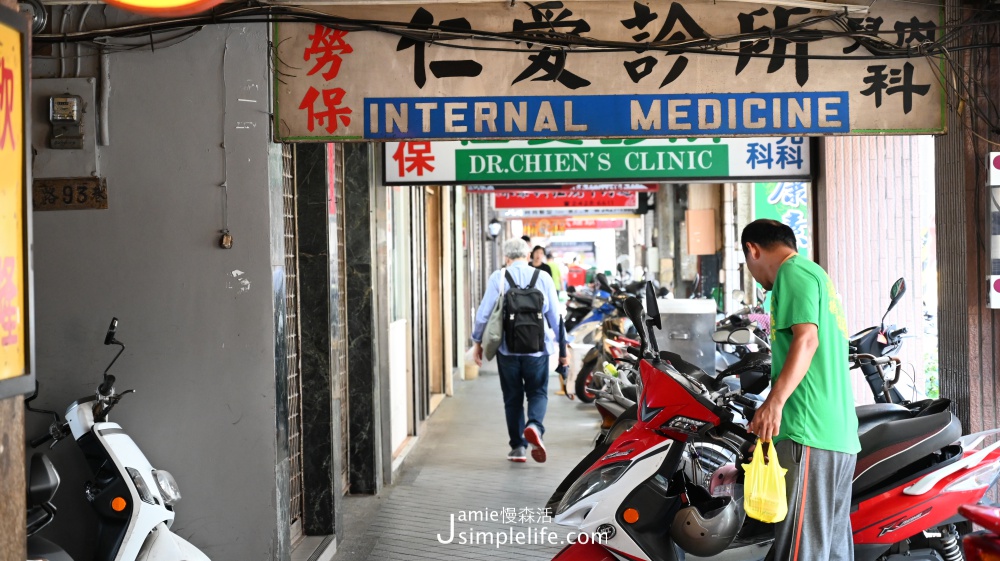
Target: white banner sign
point(796, 74)
point(568, 161)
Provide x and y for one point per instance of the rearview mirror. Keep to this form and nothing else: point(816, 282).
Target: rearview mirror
point(652, 309)
point(760, 294)
point(896, 294)
point(721, 336)
point(110, 337)
point(602, 281)
point(633, 309)
point(740, 337)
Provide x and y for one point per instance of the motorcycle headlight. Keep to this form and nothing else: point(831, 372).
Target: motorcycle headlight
point(593, 482)
point(169, 490)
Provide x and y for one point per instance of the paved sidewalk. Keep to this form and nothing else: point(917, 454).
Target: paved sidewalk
point(458, 466)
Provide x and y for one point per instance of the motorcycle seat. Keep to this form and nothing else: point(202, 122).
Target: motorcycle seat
point(873, 415)
point(588, 300)
point(893, 445)
point(685, 367)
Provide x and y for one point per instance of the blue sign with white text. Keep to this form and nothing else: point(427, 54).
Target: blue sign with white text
point(688, 115)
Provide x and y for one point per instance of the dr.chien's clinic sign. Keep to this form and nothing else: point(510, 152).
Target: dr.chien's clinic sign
point(368, 85)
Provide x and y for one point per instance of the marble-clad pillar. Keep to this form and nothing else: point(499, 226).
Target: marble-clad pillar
point(320, 462)
point(364, 438)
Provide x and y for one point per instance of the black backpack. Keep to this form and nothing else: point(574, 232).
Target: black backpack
point(523, 324)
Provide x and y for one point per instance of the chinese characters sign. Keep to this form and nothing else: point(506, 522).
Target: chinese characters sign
point(568, 199)
point(13, 247)
point(353, 85)
point(537, 161)
point(789, 204)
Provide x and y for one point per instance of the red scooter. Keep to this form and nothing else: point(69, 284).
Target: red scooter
point(913, 472)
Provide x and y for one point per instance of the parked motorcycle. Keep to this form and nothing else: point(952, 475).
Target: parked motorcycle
point(43, 482)
point(881, 340)
point(914, 470)
point(605, 330)
point(134, 501)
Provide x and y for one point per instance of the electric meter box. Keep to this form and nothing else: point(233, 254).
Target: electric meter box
point(688, 325)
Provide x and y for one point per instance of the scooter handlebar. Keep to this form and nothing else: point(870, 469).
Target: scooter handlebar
point(36, 442)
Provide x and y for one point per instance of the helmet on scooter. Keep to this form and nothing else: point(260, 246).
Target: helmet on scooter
point(707, 528)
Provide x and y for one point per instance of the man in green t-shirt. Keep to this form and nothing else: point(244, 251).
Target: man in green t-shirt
point(809, 414)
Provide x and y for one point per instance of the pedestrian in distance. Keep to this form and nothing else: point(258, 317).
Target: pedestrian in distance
point(555, 271)
point(809, 415)
point(530, 321)
point(538, 260)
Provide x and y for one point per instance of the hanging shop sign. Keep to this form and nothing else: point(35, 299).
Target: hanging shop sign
point(525, 213)
point(559, 225)
point(788, 203)
point(567, 199)
point(536, 161)
point(798, 72)
point(16, 373)
point(640, 187)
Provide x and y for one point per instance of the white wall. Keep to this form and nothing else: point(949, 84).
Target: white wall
point(200, 341)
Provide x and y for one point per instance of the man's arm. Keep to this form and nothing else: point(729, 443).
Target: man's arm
point(767, 420)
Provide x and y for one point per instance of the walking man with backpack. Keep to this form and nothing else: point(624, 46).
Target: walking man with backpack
point(530, 319)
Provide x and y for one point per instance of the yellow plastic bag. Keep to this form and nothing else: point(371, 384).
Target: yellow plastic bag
point(764, 486)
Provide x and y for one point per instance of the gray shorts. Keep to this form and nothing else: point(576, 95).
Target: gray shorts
point(818, 525)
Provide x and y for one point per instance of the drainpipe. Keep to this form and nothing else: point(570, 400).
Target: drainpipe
point(729, 261)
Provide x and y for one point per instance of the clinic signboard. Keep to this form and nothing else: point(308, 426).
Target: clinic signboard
point(597, 160)
point(418, 75)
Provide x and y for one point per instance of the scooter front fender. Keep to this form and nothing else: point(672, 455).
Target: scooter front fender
point(584, 552)
point(164, 545)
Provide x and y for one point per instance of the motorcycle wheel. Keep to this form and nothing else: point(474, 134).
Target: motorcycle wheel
point(584, 381)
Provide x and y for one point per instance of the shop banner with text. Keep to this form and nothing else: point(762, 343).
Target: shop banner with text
point(788, 203)
point(567, 199)
point(807, 78)
point(14, 235)
point(537, 161)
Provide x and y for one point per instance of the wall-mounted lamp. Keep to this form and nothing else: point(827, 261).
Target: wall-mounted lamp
point(493, 229)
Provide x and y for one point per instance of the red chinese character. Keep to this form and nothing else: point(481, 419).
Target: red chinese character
point(326, 43)
point(331, 99)
point(7, 104)
point(416, 154)
point(9, 315)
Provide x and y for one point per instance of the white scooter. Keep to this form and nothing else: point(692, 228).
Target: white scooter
point(134, 501)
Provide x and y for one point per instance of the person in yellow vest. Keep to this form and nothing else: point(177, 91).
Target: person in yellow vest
point(556, 272)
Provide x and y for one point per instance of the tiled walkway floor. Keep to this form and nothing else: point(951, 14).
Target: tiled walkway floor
point(459, 465)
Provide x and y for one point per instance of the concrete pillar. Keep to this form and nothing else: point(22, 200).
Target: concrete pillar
point(968, 331)
point(12, 483)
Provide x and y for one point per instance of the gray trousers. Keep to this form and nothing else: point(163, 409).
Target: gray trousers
point(818, 525)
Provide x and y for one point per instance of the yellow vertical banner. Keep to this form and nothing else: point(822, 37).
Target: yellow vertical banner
point(13, 301)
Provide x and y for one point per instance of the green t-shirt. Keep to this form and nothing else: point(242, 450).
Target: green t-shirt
point(820, 412)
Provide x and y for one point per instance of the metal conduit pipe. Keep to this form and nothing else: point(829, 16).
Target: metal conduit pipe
point(730, 261)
